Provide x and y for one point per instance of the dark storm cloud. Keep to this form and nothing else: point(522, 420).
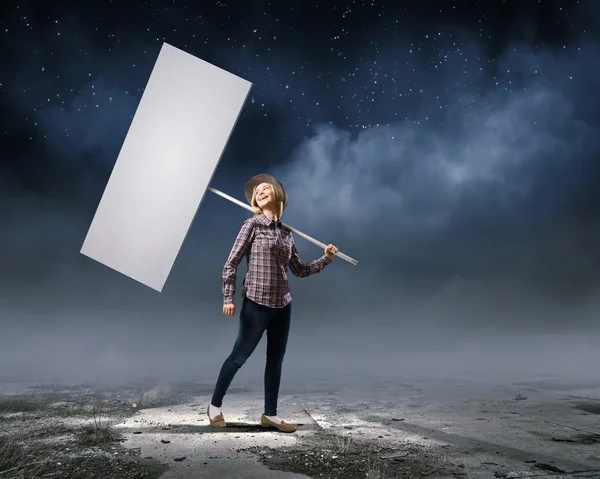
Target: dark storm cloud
point(465, 187)
point(479, 173)
point(492, 198)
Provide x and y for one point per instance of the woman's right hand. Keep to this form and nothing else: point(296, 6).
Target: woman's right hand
point(229, 309)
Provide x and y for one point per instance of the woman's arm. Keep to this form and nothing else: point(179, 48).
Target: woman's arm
point(302, 270)
point(241, 247)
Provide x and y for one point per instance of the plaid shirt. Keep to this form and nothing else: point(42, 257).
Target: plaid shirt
point(269, 249)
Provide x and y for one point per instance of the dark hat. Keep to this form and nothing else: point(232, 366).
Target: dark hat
point(264, 178)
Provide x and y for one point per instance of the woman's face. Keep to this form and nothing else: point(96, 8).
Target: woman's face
point(264, 195)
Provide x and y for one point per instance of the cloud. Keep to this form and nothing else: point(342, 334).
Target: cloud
point(480, 186)
point(420, 171)
point(484, 192)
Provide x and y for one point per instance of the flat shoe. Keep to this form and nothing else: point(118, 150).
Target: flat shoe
point(283, 427)
point(218, 421)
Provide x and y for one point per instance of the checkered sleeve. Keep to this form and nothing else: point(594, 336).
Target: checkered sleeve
point(302, 270)
point(241, 247)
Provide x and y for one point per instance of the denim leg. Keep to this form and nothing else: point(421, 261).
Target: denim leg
point(253, 322)
point(277, 338)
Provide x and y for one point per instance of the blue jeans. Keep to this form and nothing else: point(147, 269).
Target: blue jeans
point(255, 319)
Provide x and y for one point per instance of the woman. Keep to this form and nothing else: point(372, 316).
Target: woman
point(266, 306)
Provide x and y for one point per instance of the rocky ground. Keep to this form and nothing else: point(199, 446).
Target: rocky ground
point(56, 431)
point(369, 429)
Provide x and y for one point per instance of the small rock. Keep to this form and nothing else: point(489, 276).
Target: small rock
point(179, 459)
point(165, 441)
point(397, 419)
point(518, 397)
point(137, 432)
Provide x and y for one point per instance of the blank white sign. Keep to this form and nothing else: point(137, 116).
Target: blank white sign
point(166, 163)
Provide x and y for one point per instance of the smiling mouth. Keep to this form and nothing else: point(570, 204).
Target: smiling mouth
point(263, 198)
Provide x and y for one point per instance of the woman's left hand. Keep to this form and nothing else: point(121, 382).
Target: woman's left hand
point(330, 251)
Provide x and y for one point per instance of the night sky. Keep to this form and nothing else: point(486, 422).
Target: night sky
point(452, 148)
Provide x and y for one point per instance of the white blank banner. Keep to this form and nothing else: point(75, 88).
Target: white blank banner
point(180, 129)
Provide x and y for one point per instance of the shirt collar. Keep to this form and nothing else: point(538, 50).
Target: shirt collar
point(264, 219)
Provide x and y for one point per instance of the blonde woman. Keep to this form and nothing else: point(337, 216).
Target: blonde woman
point(267, 305)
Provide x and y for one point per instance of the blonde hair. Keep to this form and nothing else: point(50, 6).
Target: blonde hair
point(278, 202)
